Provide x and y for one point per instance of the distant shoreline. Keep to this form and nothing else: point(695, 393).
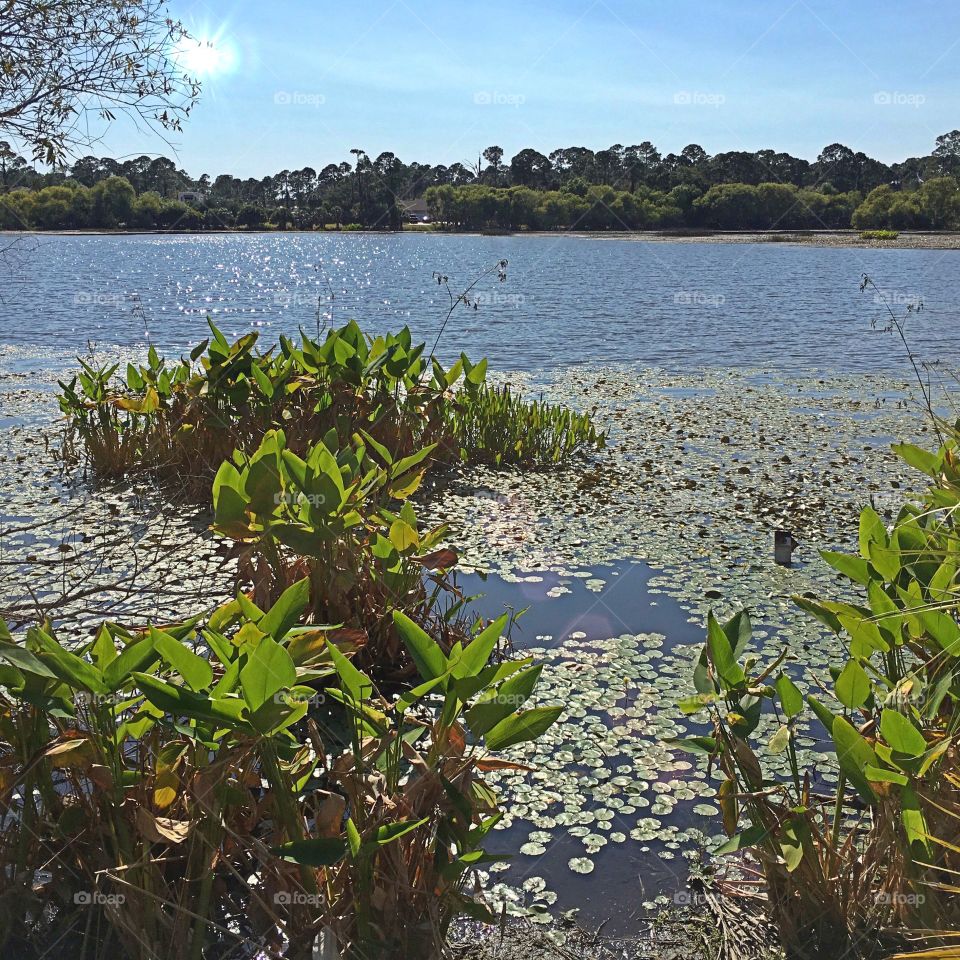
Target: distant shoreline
point(907, 240)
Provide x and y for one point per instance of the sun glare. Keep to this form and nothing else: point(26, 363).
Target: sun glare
point(205, 56)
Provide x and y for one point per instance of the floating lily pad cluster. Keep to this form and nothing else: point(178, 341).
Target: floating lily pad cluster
point(700, 472)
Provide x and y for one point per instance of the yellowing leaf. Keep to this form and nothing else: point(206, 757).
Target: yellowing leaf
point(402, 535)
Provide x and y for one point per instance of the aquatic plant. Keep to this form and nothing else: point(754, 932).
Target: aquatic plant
point(342, 519)
point(879, 234)
point(186, 789)
point(412, 777)
point(495, 426)
point(875, 862)
point(142, 775)
point(179, 421)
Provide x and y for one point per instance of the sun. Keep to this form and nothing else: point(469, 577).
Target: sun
point(204, 56)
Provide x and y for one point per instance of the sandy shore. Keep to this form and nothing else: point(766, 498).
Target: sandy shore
point(821, 238)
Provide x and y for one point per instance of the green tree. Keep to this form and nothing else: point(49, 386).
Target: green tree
point(530, 168)
point(946, 154)
point(113, 200)
point(146, 210)
point(494, 158)
point(939, 201)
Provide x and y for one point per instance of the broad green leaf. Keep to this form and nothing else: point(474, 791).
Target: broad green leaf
point(135, 656)
point(179, 702)
point(24, 660)
point(316, 852)
point(943, 628)
point(393, 831)
point(853, 685)
point(354, 840)
point(901, 734)
point(474, 658)
point(696, 703)
point(780, 739)
point(885, 559)
point(288, 609)
point(355, 683)
point(721, 655)
point(749, 838)
point(865, 635)
point(426, 652)
point(68, 667)
point(522, 726)
point(914, 822)
point(403, 536)
point(855, 568)
point(825, 716)
point(739, 631)
point(408, 463)
point(854, 754)
point(702, 745)
point(193, 668)
point(104, 651)
point(497, 705)
point(790, 697)
point(879, 775)
point(269, 670)
point(872, 531)
point(263, 381)
point(922, 460)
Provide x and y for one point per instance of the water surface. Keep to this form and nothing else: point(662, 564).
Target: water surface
point(567, 300)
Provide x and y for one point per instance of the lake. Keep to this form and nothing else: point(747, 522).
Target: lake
point(567, 300)
point(619, 571)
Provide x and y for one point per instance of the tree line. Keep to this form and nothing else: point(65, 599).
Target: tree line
point(631, 188)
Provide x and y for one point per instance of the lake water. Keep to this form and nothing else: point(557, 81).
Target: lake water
point(566, 300)
point(616, 642)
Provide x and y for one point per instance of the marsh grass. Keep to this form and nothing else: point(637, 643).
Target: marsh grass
point(495, 426)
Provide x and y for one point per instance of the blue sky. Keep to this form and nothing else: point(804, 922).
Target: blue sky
point(438, 82)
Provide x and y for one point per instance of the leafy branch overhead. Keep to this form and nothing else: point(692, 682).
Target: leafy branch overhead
point(62, 62)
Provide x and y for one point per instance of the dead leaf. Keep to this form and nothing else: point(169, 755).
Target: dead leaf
point(329, 814)
point(441, 559)
point(101, 776)
point(73, 753)
point(491, 763)
point(162, 829)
